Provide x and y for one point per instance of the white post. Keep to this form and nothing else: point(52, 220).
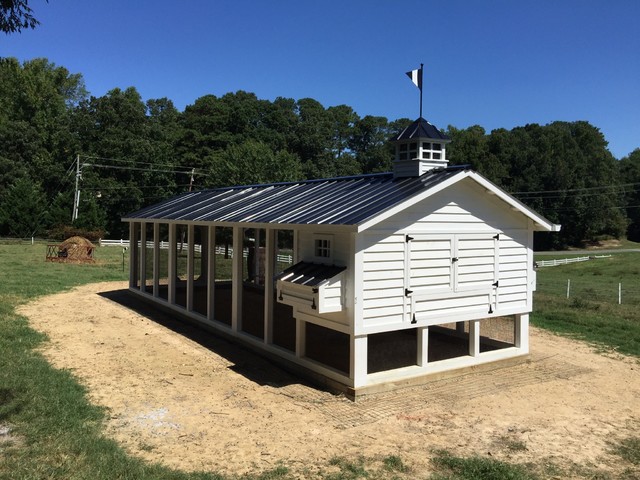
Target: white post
point(568, 287)
point(156, 259)
point(142, 257)
point(211, 273)
point(236, 280)
point(190, 267)
point(620, 294)
point(522, 332)
point(358, 360)
point(474, 338)
point(423, 346)
point(173, 243)
point(269, 269)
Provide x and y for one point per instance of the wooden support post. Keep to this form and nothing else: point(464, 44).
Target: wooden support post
point(423, 346)
point(143, 257)
point(156, 260)
point(522, 332)
point(211, 272)
point(190, 261)
point(236, 280)
point(171, 295)
point(474, 338)
point(301, 335)
point(133, 256)
point(269, 271)
point(358, 360)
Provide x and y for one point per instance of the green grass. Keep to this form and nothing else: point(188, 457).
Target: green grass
point(55, 432)
point(450, 467)
point(592, 312)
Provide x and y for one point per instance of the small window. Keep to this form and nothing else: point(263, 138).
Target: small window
point(426, 146)
point(413, 146)
point(403, 147)
point(436, 156)
point(437, 146)
point(322, 248)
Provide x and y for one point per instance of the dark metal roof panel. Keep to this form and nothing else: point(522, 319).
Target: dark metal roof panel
point(421, 128)
point(336, 201)
point(309, 274)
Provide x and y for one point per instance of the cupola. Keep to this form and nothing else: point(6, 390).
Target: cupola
point(419, 148)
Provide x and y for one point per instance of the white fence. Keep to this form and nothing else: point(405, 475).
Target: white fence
point(564, 261)
point(220, 250)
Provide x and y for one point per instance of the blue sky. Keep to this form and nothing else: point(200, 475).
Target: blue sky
point(495, 63)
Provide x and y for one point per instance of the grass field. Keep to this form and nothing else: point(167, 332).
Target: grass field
point(48, 429)
point(591, 312)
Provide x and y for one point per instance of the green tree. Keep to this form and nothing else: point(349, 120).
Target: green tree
point(36, 98)
point(254, 162)
point(16, 15)
point(630, 176)
point(22, 209)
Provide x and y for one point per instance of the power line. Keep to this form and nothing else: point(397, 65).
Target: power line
point(132, 187)
point(603, 187)
point(136, 162)
point(154, 170)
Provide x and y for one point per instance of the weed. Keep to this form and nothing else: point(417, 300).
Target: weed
point(450, 467)
point(628, 449)
point(349, 470)
point(394, 463)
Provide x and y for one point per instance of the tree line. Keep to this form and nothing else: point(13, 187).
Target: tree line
point(132, 153)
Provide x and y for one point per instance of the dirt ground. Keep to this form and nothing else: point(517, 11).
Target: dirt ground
point(180, 396)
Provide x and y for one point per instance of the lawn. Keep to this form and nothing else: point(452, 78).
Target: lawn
point(592, 312)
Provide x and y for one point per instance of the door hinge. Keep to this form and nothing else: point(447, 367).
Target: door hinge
point(495, 284)
point(407, 238)
point(407, 292)
point(454, 259)
point(413, 320)
point(497, 236)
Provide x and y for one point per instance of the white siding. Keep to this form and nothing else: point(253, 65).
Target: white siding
point(384, 279)
point(460, 223)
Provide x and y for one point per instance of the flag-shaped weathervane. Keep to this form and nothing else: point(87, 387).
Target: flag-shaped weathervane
point(416, 78)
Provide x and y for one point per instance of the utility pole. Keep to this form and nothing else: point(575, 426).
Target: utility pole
point(76, 198)
point(193, 171)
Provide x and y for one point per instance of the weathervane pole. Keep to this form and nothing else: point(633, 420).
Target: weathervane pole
point(421, 65)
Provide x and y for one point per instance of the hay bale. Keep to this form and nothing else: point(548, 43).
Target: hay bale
point(77, 249)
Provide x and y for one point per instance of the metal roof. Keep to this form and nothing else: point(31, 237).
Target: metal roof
point(421, 129)
point(309, 274)
point(333, 201)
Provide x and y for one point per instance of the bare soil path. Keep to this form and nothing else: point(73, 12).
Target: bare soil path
point(178, 395)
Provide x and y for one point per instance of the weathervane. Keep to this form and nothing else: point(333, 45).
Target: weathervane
point(416, 78)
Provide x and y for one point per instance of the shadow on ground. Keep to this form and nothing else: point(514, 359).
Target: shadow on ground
point(246, 362)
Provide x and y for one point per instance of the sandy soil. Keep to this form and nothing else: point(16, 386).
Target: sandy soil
point(181, 396)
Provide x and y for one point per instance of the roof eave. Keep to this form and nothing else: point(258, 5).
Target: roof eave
point(542, 224)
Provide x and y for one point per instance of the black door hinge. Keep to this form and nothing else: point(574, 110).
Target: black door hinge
point(495, 284)
point(454, 259)
point(407, 238)
point(407, 292)
point(497, 236)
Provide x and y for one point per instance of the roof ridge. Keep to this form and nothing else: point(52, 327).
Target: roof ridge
point(298, 182)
